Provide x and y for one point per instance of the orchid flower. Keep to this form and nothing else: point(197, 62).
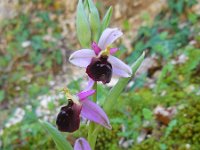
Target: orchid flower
point(68, 119)
point(81, 144)
point(99, 63)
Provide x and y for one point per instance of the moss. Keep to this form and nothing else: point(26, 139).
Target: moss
point(147, 144)
point(26, 137)
point(188, 127)
point(184, 134)
point(108, 139)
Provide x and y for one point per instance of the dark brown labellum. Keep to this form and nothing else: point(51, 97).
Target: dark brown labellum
point(68, 119)
point(100, 69)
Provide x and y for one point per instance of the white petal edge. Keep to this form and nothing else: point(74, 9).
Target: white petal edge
point(82, 58)
point(120, 73)
point(90, 84)
point(119, 67)
point(108, 36)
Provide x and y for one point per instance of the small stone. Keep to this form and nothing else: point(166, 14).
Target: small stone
point(187, 146)
point(26, 44)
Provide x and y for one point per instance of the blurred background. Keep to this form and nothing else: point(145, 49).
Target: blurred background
point(158, 110)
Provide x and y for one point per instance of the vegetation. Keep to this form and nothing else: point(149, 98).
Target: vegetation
point(173, 43)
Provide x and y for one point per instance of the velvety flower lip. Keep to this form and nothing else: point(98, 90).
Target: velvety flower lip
point(68, 119)
point(97, 68)
point(81, 144)
point(100, 70)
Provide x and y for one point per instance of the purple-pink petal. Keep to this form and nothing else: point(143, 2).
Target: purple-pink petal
point(113, 50)
point(90, 84)
point(96, 48)
point(84, 94)
point(81, 144)
point(119, 67)
point(108, 36)
point(95, 113)
point(82, 58)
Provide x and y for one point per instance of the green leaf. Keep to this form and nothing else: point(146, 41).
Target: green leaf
point(170, 127)
point(60, 141)
point(94, 20)
point(86, 7)
point(83, 26)
point(118, 88)
point(193, 17)
point(106, 19)
point(147, 113)
point(163, 146)
point(58, 56)
point(2, 95)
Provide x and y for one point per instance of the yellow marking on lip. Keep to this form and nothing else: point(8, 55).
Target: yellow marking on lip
point(105, 52)
point(67, 93)
point(70, 96)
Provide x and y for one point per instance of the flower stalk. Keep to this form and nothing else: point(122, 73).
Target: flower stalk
point(100, 65)
point(91, 138)
point(95, 94)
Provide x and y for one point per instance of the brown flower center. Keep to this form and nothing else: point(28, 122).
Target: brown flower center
point(100, 69)
point(68, 120)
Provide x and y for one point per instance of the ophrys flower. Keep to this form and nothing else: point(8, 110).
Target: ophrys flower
point(99, 63)
point(68, 119)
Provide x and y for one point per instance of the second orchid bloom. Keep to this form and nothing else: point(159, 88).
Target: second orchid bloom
point(68, 120)
point(99, 63)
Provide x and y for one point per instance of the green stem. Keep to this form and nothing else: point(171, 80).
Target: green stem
point(95, 94)
point(91, 136)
